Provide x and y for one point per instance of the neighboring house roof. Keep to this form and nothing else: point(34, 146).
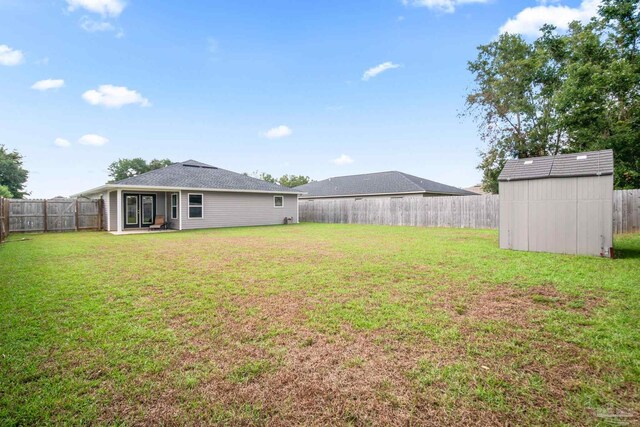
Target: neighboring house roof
point(477, 189)
point(391, 182)
point(591, 163)
point(194, 175)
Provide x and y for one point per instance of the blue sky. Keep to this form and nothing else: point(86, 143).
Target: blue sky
point(276, 86)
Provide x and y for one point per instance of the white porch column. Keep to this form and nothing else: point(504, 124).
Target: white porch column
point(180, 210)
point(119, 212)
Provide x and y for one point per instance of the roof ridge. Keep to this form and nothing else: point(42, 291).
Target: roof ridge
point(357, 174)
point(407, 175)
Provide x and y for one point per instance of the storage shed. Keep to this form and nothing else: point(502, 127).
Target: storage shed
point(560, 204)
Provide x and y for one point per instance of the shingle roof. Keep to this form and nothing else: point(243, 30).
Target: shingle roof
point(591, 163)
point(376, 183)
point(193, 174)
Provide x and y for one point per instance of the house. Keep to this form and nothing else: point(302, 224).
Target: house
point(560, 204)
point(193, 195)
point(477, 189)
point(392, 184)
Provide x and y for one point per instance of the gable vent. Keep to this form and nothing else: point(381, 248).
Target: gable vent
point(201, 167)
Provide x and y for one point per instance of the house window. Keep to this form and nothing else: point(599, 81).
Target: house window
point(195, 206)
point(278, 201)
point(174, 206)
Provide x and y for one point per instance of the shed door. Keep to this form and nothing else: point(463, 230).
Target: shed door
point(514, 215)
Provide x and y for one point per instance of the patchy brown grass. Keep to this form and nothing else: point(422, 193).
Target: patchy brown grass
point(314, 325)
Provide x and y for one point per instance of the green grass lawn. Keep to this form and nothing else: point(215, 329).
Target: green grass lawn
point(315, 324)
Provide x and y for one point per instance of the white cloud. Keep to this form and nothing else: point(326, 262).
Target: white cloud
point(278, 132)
point(529, 20)
point(48, 84)
point(10, 56)
point(213, 45)
point(103, 7)
point(448, 6)
point(342, 160)
point(91, 26)
point(374, 71)
point(61, 142)
point(114, 97)
point(93, 139)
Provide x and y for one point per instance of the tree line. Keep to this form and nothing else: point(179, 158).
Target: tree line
point(126, 168)
point(562, 93)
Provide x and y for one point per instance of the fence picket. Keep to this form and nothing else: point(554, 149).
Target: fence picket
point(459, 212)
point(28, 215)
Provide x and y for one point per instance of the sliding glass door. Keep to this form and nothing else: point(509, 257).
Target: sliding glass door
point(139, 210)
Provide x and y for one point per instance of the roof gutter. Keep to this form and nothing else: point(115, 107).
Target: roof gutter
point(308, 196)
point(108, 187)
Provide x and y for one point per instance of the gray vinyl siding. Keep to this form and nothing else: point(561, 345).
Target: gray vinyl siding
point(113, 210)
point(226, 209)
point(161, 204)
point(562, 215)
point(175, 222)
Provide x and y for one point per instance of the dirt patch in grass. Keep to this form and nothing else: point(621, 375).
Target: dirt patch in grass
point(324, 380)
point(517, 305)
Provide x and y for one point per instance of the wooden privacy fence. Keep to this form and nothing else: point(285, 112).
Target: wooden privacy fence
point(55, 215)
point(626, 211)
point(4, 218)
point(460, 212)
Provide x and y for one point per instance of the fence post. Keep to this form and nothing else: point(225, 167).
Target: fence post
point(77, 214)
point(1, 219)
point(4, 218)
point(100, 213)
point(46, 226)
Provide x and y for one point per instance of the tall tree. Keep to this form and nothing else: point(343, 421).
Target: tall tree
point(13, 175)
point(285, 180)
point(293, 180)
point(562, 93)
point(262, 175)
point(4, 192)
point(512, 101)
point(126, 168)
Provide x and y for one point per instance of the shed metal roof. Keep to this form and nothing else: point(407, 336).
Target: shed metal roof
point(591, 163)
point(391, 182)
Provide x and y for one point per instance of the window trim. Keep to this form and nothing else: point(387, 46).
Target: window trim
point(274, 202)
point(201, 206)
point(171, 205)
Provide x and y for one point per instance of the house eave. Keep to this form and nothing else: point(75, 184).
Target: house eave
point(111, 187)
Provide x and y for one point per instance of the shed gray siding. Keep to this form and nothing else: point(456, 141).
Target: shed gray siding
point(563, 215)
point(227, 209)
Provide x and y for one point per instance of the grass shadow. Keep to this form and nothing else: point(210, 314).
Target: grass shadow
point(627, 253)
